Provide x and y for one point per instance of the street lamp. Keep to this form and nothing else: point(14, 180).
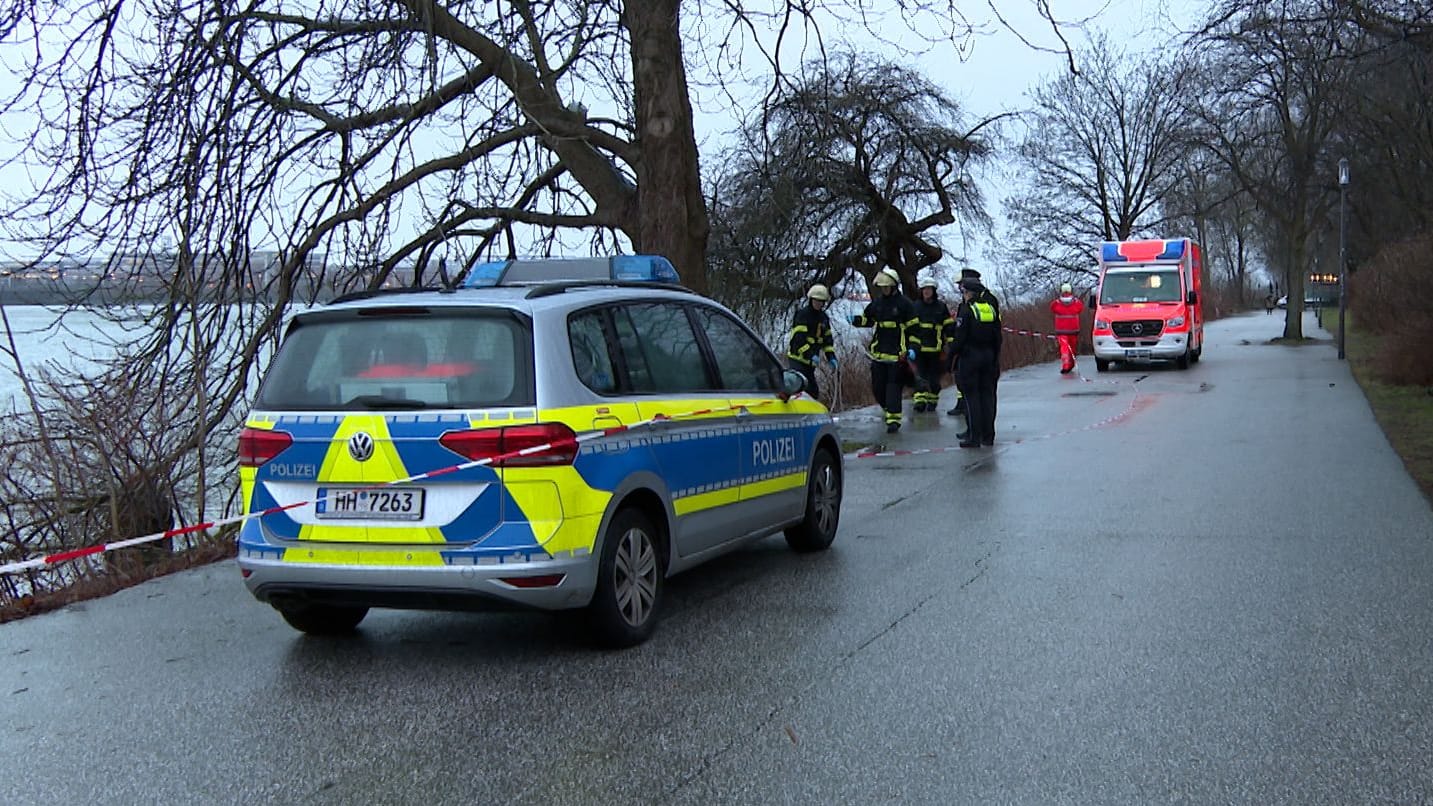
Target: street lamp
point(1342, 249)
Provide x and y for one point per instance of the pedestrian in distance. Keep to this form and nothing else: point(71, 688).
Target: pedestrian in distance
point(975, 347)
point(893, 318)
point(1269, 303)
point(811, 340)
point(932, 334)
point(1067, 309)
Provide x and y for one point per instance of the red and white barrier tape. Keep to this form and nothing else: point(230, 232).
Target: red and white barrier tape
point(1037, 334)
point(587, 436)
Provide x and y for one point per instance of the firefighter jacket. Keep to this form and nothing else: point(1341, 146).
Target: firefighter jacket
point(810, 336)
point(934, 326)
point(977, 326)
point(894, 319)
point(1067, 310)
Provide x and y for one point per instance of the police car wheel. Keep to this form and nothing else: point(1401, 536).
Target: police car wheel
point(630, 578)
point(317, 619)
point(823, 506)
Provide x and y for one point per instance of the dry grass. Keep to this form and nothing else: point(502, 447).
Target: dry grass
point(1403, 411)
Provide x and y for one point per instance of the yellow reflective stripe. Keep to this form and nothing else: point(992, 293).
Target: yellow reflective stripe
point(696, 503)
point(365, 556)
point(776, 485)
point(984, 311)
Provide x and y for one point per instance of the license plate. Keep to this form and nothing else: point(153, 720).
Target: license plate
point(384, 503)
point(1137, 353)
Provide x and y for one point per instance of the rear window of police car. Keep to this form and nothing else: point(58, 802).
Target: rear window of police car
point(445, 360)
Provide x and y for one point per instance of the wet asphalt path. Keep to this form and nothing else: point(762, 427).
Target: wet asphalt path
point(1209, 586)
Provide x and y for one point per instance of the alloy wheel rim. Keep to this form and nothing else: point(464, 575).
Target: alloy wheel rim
point(827, 500)
point(636, 571)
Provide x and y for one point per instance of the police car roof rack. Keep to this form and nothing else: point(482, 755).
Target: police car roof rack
point(561, 286)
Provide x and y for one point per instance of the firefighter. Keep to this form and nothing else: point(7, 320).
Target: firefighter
point(975, 347)
point(932, 333)
point(893, 318)
point(811, 337)
point(1067, 309)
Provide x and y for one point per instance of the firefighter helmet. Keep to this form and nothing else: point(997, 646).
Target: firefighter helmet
point(925, 278)
point(819, 292)
point(884, 278)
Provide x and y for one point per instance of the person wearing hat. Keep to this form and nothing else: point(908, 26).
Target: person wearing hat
point(1067, 309)
point(969, 274)
point(893, 318)
point(811, 337)
point(975, 346)
point(932, 336)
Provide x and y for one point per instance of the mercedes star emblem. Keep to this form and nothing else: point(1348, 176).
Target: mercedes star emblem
point(1136, 328)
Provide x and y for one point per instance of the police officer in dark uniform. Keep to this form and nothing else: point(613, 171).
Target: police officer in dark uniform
point(893, 318)
point(959, 408)
point(811, 337)
point(976, 349)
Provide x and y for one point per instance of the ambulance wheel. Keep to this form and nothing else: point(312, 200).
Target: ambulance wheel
point(1101, 365)
point(823, 506)
point(1194, 356)
point(319, 619)
point(1183, 361)
point(630, 576)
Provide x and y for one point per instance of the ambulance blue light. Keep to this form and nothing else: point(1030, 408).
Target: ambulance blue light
point(486, 275)
point(644, 268)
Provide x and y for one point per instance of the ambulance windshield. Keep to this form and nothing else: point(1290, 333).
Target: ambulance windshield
point(1153, 285)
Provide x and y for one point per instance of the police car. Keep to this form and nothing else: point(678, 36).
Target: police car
point(554, 434)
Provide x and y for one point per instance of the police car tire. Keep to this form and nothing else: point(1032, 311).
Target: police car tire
point(823, 506)
point(317, 619)
point(631, 566)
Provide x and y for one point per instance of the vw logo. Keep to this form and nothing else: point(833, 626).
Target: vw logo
point(1136, 328)
point(360, 446)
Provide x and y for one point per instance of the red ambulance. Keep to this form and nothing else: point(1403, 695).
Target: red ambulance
point(1149, 305)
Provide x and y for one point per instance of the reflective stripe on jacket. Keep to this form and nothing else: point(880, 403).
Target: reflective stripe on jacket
point(810, 336)
point(933, 328)
point(893, 317)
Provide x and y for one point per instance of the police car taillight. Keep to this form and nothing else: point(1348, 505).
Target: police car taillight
point(537, 445)
point(257, 446)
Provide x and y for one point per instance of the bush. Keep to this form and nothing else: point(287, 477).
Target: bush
point(1389, 296)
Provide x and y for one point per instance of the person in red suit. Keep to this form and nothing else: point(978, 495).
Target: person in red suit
point(1067, 309)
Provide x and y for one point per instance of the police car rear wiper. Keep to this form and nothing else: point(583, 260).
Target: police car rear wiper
point(381, 402)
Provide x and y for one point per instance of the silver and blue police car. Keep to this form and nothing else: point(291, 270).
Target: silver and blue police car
point(555, 434)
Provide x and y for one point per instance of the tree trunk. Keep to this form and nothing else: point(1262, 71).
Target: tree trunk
point(671, 212)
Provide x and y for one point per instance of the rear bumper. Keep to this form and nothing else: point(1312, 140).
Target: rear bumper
point(428, 587)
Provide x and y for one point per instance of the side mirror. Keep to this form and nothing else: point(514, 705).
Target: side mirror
point(1192, 297)
point(792, 383)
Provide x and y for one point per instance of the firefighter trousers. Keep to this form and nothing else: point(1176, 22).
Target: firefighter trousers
point(886, 387)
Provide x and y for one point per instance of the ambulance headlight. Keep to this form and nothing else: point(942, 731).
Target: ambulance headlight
point(1177, 321)
point(1101, 324)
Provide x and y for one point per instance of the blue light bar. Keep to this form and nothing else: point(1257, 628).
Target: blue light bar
point(527, 271)
point(644, 268)
point(486, 275)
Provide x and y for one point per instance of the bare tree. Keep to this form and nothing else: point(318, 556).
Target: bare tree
point(1103, 152)
point(855, 168)
point(1281, 73)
